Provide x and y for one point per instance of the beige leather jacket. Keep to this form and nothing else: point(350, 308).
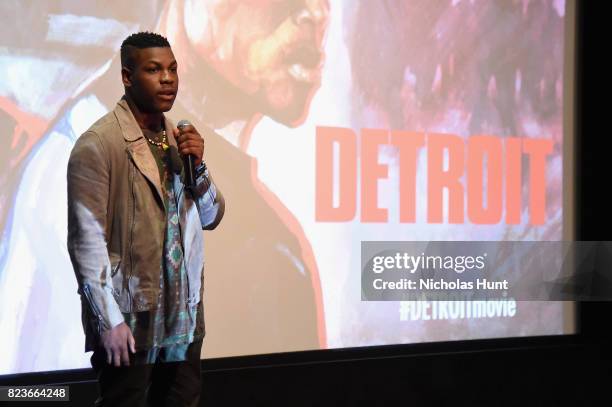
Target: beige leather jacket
point(117, 219)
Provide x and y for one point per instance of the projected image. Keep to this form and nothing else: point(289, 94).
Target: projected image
point(297, 93)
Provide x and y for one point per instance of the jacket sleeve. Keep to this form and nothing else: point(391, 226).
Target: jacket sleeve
point(210, 201)
point(88, 194)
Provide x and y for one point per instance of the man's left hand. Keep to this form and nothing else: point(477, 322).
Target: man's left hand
point(189, 141)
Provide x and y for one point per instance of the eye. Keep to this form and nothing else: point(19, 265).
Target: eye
point(152, 69)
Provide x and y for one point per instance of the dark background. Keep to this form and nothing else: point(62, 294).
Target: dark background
point(543, 371)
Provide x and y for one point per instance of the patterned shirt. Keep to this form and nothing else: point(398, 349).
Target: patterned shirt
point(167, 331)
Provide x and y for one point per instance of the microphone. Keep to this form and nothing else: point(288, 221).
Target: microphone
point(188, 161)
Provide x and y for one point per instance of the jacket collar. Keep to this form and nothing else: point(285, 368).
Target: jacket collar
point(129, 127)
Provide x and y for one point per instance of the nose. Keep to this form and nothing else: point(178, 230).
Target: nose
point(167, 76)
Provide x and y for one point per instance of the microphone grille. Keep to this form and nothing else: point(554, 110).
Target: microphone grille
point(183, 123)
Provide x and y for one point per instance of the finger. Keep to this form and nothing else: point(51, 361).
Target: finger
point(191, 146)
point(116, 358)
point(176, 133)
point(109, 355)
point(191, 141)
point(189, 138)
point(125, 357)
point(192, 151)
point(132, 343)
point(190, 131)
point(184, 139)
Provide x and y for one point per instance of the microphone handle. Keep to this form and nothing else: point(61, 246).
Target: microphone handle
point(190, 176)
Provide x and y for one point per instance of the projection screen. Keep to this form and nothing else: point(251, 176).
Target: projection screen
point(303, 97)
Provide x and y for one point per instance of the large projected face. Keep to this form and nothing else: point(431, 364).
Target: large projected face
point(271, 50)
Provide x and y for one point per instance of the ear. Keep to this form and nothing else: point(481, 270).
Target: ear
point(126, 76)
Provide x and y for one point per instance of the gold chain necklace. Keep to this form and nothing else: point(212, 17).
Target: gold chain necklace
point(163, 143)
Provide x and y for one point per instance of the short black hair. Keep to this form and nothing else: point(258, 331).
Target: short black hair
point(140, 40)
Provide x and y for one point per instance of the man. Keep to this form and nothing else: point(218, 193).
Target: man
point(134, 236)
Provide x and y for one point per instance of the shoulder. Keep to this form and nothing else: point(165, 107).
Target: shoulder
point(105, 128)
point(101, 137)
point(96, 144)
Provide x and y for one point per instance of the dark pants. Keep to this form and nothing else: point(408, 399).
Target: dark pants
point(160, 384)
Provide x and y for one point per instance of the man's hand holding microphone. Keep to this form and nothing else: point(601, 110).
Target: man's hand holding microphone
point(191, 148)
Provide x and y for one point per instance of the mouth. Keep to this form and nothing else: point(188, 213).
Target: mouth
point(167, 95)
point(304, 64)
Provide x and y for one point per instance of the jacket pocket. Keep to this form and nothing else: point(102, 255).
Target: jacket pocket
point(120, 286)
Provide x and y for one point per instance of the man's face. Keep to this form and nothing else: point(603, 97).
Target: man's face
point(152, 80)
point(270, 49)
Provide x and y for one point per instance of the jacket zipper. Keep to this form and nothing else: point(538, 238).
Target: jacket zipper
point(129, 293)
point(93, 306)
